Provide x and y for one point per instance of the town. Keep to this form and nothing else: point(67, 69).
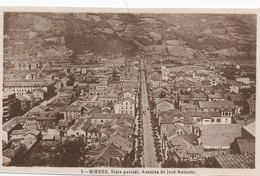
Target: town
point(146, 110)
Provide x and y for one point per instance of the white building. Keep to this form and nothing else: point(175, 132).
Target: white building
point(165, 73)
point(125, 106)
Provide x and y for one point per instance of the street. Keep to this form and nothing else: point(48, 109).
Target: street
point(149, 149)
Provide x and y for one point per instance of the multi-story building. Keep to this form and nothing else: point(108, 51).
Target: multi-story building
point(10, 105)
point(23, 87)
point(165, 73)
point(125, 106)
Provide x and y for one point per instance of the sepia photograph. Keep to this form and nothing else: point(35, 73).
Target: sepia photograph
point(129, 90)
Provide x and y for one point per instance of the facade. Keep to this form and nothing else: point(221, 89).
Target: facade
point(39, 94)
point(22, 87)
point(125, 106)
point(10, 105)
point(165, 73)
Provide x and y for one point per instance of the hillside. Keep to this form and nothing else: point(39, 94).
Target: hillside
point(177, 35)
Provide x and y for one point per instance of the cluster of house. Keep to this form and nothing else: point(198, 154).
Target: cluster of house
point(191, 116)
point(102, 112)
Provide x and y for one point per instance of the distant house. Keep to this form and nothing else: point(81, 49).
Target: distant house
point(24, 103)
point(39, 94)
point(8, 127)
point(41, 117)
point(184, 99)
point(22, 87)
point(65, 97)
point(165, 73)
point(184, 149)
point(209, 118)
point(163, 105)
point(216, 97)
point(240, 102)
point(72, 112)
point(196, 97)
point(189, 107)
point(79, 129)
point(155, 80)
point(32, 99)
point(236, 86)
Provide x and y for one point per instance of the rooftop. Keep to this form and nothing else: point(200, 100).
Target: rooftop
point(28, 83)
point(236, 161)
point(225, 133)
point(216, 105)
point(250, 128)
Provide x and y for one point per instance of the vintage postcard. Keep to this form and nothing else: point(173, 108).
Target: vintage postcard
point(129, 92)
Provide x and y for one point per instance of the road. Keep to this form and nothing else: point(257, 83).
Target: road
point(149, 149)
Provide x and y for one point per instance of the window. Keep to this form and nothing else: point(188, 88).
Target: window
point(218, 119)
point(212, 120)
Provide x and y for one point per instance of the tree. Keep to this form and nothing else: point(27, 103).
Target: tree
point(162, 94)
point(70, 154)
point(115, 76)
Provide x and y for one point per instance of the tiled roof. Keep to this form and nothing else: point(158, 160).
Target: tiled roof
point(10, 125)
point(215, 96)
point(40, 90)
point(236, 161)
point(216, 105)
point(184, 97)
point(246, 145)
point(73, 108)
point(198, 95)
point(81, 124)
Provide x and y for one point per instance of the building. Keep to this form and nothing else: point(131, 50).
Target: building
point(39, 94)
point(155, 81)
point(23, 87)
point(184, 99)
point(196, 97)
point(24, 103)
point(165, 73)
point(79, 128)
point(125, 106)
point(70, 112)
point(163, 105)
point(184, 149)
point(235, 161)
point(115, 63)
point(243, 80)
point(8, 127)
point(10, 105)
